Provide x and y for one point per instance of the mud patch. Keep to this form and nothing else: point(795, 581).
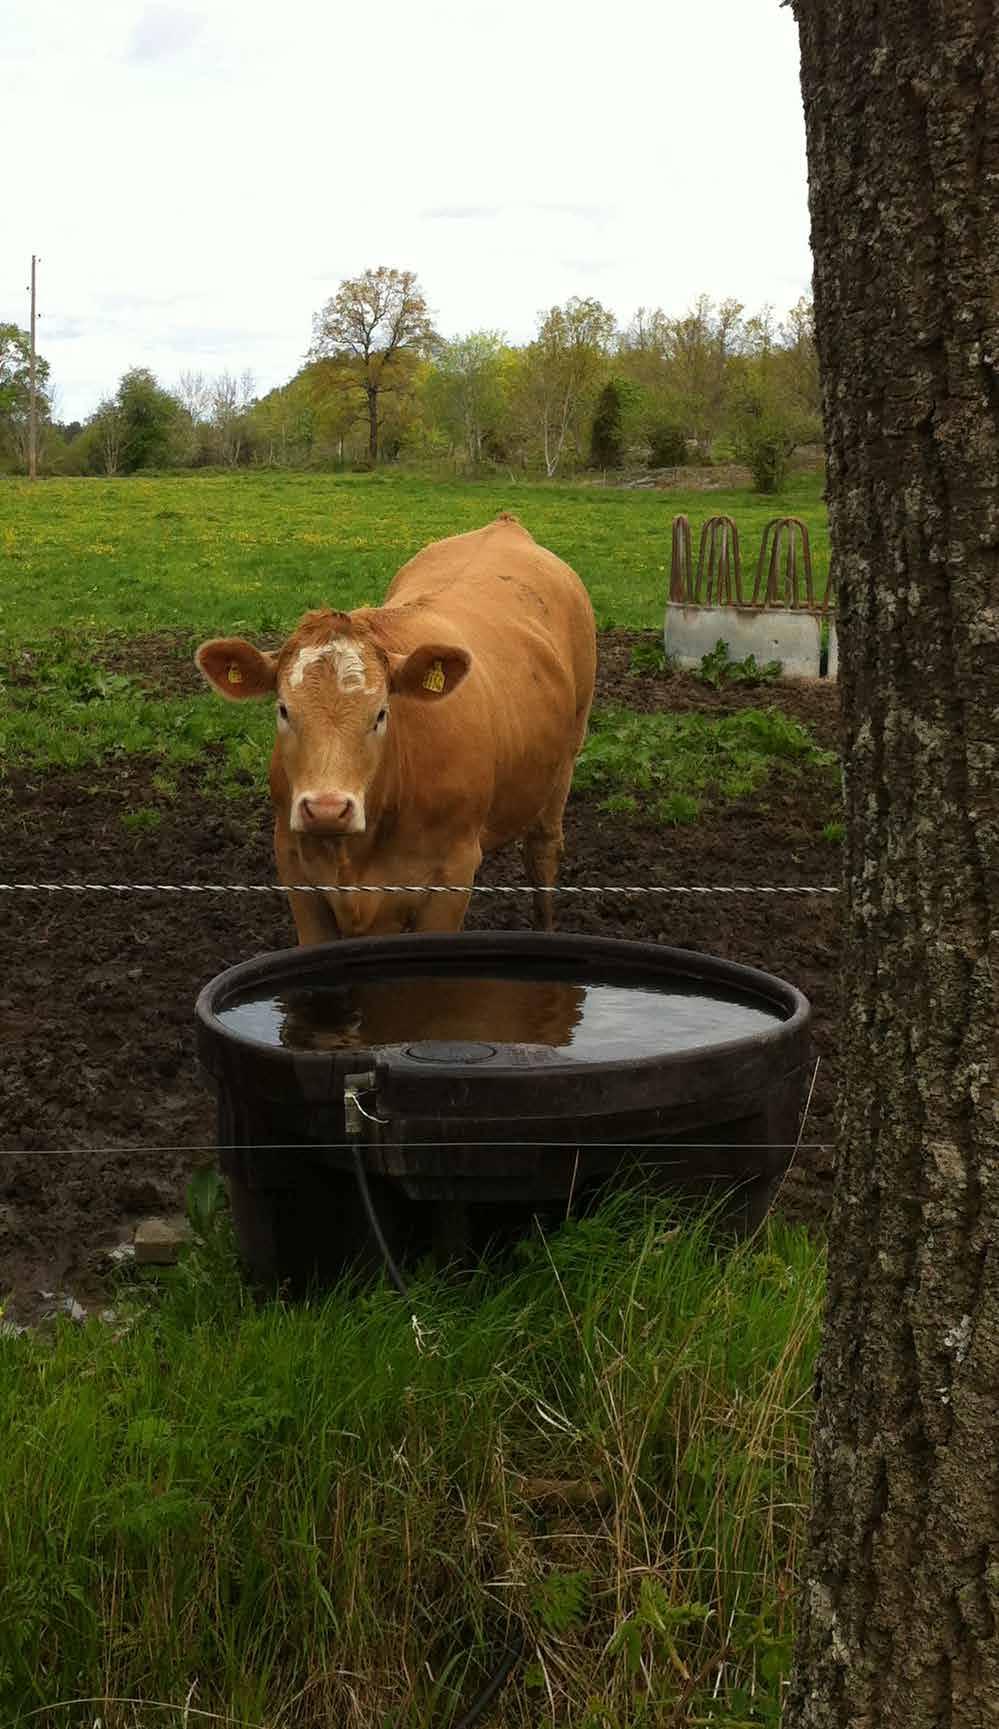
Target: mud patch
point(102, 1116)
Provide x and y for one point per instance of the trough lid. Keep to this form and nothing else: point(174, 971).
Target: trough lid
point(450, 1051)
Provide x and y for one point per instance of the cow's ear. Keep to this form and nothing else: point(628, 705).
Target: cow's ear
point(430, 672)
point(236, 669)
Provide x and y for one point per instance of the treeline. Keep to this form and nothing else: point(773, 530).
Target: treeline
point(381, 385)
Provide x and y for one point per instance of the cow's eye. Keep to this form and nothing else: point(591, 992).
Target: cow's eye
point(283, 711)
point(380, 718)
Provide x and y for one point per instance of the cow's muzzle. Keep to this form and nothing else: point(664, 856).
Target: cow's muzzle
point(328, 813)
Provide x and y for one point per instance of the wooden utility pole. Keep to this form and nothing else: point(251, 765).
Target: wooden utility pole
point(32, 391)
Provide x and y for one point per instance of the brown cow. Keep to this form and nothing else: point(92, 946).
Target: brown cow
point(414, 737)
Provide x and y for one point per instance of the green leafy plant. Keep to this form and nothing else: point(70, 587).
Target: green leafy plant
point(668, 763)
point(204, 1200)
point(678, 810)
point(559, 1600)
point(717, 668)
point(142, 820)
point(649, 658)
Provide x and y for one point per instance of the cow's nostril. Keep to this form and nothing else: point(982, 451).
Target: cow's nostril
point(317, 809)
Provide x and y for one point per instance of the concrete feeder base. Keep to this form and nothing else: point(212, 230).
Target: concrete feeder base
point(793, 638)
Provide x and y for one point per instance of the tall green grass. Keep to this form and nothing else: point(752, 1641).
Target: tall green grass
point(296, 1517)
point(250, 552)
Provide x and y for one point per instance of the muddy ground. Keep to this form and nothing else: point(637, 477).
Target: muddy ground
point(102, 1117)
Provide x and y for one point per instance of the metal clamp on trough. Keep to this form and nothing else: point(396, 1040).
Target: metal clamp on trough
point(494, 1076)
point(780, 622)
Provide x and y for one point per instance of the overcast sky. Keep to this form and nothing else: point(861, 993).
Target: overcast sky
point(198, 178)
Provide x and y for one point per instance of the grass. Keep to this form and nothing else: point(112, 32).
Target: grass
point(72, 715)
point(250, 552)
point(664, 764)
point(298, 1516)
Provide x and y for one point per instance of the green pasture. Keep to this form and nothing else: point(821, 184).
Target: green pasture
point(88, 563)
point(299, 1517)
point(250, 552)
point(70, 713)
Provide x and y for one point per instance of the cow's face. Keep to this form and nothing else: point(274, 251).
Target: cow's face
point(333, 683)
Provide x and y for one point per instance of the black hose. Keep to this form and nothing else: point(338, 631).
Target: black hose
point(515, 1651)
point(493, 1685)
point(373, 1220)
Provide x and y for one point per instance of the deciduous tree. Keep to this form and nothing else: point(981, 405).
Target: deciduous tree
point(465, 389)
point(229, 402)
point(899, 1613)
point(563, 368)
point(15, 392)
point(377, 326)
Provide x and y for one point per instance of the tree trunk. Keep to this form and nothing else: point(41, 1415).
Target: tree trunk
point(900, 1590)
point(372, 393)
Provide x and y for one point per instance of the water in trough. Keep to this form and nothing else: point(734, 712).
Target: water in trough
point(588, 1022)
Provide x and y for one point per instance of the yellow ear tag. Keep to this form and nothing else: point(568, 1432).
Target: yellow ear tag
point(234, 675)
point(435, 679)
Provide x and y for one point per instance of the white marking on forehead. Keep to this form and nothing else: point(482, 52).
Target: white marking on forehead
point(346, 657)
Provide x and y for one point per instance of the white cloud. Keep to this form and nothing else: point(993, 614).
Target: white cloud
point(161, 32)
point(462, 213)
point(207, 173)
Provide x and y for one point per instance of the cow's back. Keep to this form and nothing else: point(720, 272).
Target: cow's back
point(516, 606)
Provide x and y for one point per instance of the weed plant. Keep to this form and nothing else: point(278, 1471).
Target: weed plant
point(312, 1515)
point(719, 669)
point(72, 714)
point(664, 764)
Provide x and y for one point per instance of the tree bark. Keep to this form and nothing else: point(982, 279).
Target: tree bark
point(372, 395)
point(899, 1599)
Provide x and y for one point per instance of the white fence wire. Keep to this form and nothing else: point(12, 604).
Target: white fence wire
point(418, 888)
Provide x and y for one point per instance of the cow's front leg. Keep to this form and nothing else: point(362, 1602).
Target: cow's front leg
point(314, 920)
point(543, 850)
point(446, 912)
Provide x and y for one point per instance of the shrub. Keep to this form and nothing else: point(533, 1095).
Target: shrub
point(606, 436)
point(766, 450)
point(667, 445)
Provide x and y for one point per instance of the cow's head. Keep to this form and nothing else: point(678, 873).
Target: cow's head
point(334, 682)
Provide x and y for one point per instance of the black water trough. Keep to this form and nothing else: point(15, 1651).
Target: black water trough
point(501, 1075)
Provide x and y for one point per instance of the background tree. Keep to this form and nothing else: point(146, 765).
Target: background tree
point(283, 425)
point(899, 1616)
point(465, 390)
point(698, 348)
point(797, 360)
point(193, 392)
point(148, 412)
point(376, 327)
point(134, 428)
point(105, 437)
point(15, 394)
point(229, 402)
point(607, 432)
point(561, 373)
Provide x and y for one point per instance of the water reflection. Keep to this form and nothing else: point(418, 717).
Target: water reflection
point(591, 1022)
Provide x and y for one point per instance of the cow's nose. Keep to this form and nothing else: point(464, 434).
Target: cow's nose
point(326, 810)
